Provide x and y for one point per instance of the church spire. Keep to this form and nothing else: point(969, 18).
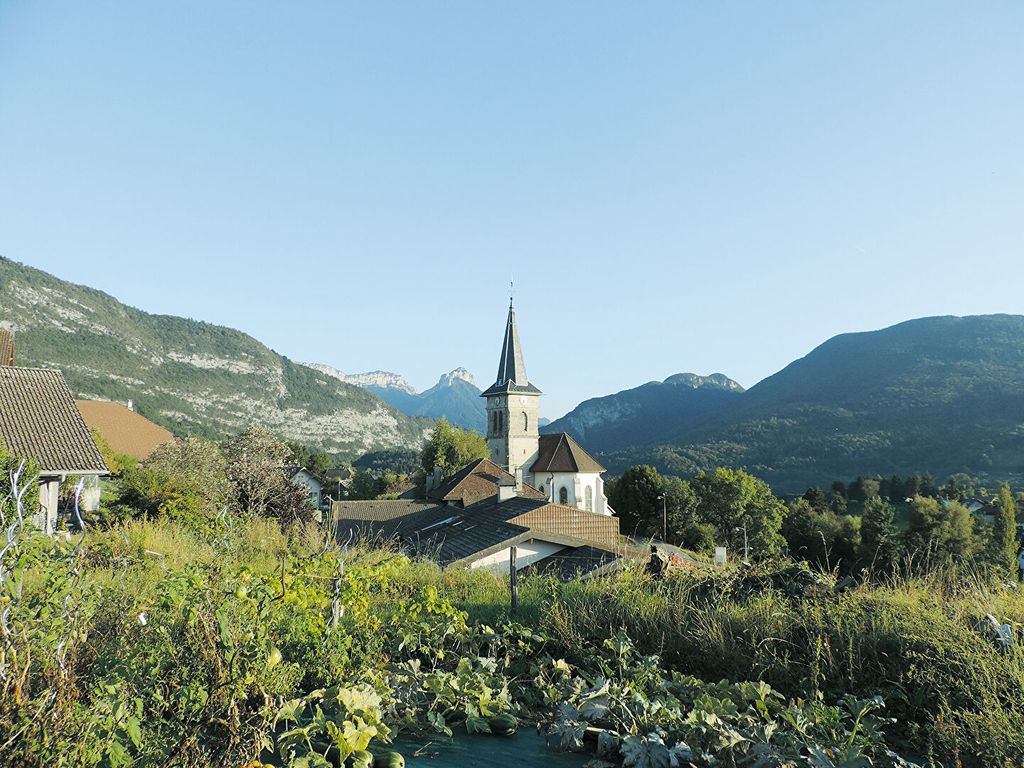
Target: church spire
point(511, 368)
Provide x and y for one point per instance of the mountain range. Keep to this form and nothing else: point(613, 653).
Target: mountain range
point(455, 397)
point(943, 395)
point(191, 377)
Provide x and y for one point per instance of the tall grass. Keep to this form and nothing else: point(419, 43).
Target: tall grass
point(919, 641)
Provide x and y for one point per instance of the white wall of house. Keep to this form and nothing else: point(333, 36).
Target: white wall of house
point(304, 479)
point(576, 486)
point(526, 554)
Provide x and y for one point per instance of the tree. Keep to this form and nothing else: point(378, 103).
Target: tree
point(1003, 547)
point(255, 468)
point(451, 448)
point(182, 480)
point(316, 461)
point(685, 527)
point(879, 539)
point(635, 497)
point(816, 498)
point(942, 530)
point(738, 505)
point(820, 536)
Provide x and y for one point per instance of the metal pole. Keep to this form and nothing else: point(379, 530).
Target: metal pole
point(513, 581)
point(664, 518)
point(746, 547)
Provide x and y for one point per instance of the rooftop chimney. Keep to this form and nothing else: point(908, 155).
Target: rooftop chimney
point(434, 480)
point(506, 489)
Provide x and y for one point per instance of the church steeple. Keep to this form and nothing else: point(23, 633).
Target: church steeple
point(512, 405)
point(511, 366)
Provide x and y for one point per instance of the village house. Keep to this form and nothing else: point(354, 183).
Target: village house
point(40, 421)
point(301, 477)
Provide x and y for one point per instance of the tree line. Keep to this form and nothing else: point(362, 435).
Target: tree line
point(732, 508)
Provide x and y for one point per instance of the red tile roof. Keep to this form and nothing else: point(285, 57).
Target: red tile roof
point(126, 431)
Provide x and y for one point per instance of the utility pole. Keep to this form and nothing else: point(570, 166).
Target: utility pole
point(664, 517)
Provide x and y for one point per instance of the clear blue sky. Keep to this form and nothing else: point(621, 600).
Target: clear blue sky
point(680, 186)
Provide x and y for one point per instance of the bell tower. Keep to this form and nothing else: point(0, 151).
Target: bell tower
point(513, 406)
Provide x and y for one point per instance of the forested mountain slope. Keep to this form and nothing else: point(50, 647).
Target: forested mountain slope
point(192, 377)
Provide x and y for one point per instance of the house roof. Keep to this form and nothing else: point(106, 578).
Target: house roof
point(6, 347)
point(576, 561)
point(451, 534)
point(39, 420)
point(127, 432)
point(477, 481)
point(340, 473)
point(511, 367)
point(560, 453)
point(380, 510)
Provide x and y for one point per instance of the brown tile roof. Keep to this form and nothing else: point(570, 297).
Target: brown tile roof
point(39, 420)
point(125, 430)
point(6, 347)
point(569, 521)
point(560, 453)
point(478, 481)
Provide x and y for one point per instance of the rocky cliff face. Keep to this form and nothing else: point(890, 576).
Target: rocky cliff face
point(368, 380)
point(191, 377)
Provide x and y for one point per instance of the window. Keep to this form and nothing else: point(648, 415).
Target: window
point(563, 495)
point(526, 422)
point(501, 423)
point(588, 496)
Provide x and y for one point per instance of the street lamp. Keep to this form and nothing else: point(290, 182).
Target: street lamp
point(664, 518)
point(746, 548)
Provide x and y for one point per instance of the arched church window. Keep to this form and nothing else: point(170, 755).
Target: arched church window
point(563, 495)
point(588, 499)
point(501, 423)
point(526, 422)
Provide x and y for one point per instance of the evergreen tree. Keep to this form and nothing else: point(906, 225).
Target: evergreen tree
point(1003, 547)
point(879, 540)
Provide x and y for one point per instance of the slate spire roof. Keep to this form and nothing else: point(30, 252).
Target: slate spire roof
point(511, 367)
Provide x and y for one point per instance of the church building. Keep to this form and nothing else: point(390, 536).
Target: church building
point(556, 465)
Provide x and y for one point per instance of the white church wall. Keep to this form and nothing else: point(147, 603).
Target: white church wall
point(576, 485)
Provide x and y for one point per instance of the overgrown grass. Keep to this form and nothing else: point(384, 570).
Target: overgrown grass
point(957, 696)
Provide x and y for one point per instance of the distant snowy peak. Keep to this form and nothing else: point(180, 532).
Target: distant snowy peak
point(459, 374)
point(381, 379)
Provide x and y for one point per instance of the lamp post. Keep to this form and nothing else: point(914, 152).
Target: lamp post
point(664, 518)
point(746, 548)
